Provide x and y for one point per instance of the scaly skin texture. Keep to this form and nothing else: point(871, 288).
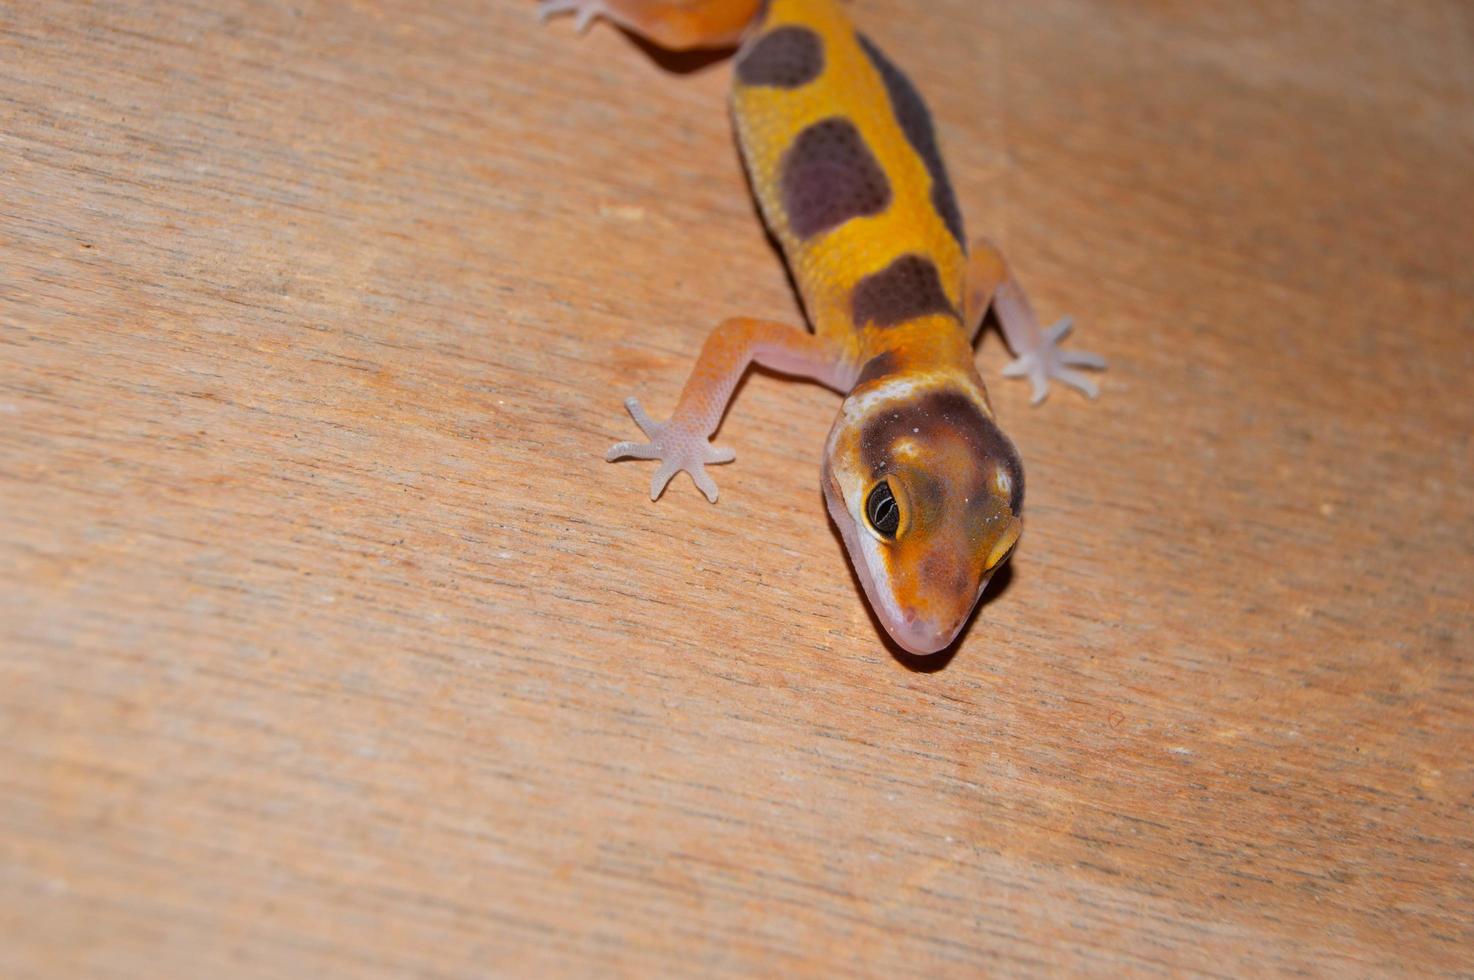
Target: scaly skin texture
point(926, 490)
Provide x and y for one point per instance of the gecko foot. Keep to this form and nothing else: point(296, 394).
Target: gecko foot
point(586, 10)
point(677, 449)
point(1049, 362)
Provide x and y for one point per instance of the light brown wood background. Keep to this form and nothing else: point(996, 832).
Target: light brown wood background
point(329, 646)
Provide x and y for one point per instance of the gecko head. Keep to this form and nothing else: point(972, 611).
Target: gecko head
point(926, 492)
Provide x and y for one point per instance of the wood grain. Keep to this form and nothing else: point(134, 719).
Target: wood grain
point(330, 646)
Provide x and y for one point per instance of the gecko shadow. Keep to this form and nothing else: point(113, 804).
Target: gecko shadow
point(679, 62)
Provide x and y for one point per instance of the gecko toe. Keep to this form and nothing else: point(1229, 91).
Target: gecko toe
point(1078, 381)
point(1040, 385)
point(584, 10)
point(647, 425)
point(631, 450)
point(662, 478)
point(704, 482)
point(1060, 330)
point(549, 9)
point(1082, 358)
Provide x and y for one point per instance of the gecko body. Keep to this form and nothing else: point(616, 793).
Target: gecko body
point(926, 490)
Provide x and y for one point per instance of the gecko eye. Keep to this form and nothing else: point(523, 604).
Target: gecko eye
point(882, 511)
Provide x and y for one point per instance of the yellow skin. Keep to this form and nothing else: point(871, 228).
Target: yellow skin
point(923, 486)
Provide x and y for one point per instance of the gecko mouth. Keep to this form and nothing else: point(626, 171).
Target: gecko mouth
point(921, 636)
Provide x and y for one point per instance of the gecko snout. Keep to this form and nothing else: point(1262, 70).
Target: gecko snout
point(919, 634)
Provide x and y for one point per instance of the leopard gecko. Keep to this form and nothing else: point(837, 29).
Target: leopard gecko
point(925, 488)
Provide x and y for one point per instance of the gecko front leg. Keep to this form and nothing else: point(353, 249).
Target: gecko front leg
point(684, 442)
point(1036, 350)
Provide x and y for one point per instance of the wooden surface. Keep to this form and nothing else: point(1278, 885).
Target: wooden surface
point(329, 646)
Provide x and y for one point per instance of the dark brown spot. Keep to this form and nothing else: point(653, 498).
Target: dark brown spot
point(878, 367)
point(932, 419)
point(907, 288)
point(911, 112)
point(829, 177)
point(787, 57)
